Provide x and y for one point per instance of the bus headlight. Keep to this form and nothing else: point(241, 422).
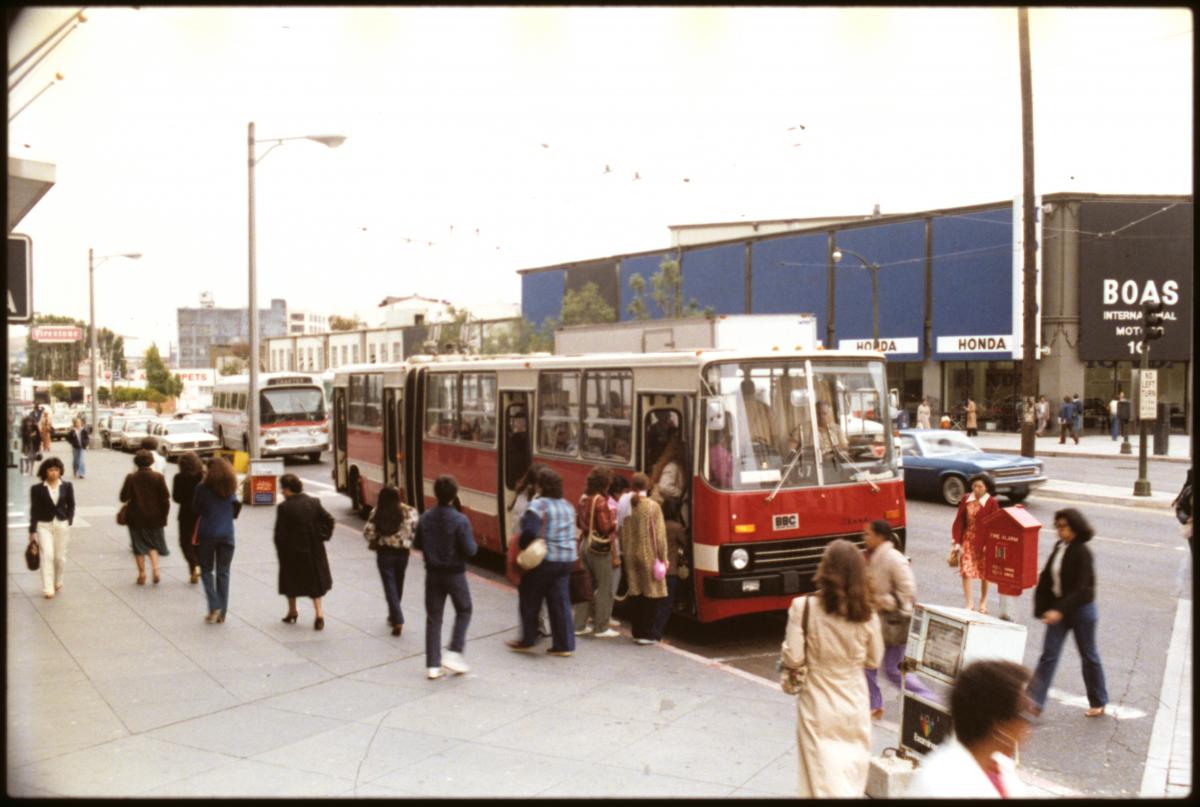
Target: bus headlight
point(739, 559)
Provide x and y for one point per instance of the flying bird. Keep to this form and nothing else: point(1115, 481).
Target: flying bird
point(607, 170)
point(794, 128)
point(685, 179)
point(636, 176)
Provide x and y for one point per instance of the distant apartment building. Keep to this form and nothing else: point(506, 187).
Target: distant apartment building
point(207, 327)
point(302, 322)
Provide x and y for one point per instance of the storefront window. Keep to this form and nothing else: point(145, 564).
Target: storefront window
point(994, 386)
point(905, 378)
point(1103, 379)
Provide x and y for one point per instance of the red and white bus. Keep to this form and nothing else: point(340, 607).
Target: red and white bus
point(787, 451)
point(291, 411)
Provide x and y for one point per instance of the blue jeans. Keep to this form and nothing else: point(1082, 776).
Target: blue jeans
point(892, 654)
point(77, 464)
point(439, 585)
point(547, 581)
point(1116, 427)
point(1082, 622)
point(218, 553)
point(664, 608)
point(392, 564)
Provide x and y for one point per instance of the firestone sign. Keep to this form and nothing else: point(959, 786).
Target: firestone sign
point(56, 333)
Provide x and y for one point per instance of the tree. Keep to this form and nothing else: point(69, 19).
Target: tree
point(103, 395)
point(451, 334)
point(585, 306)
point(59, 391)
point(158, 377)
point(110, 351)
point(667, 283)
point(522, 337)
point(351, 323)
point(50, 360)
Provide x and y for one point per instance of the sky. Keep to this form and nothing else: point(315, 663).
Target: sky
point(481, 141)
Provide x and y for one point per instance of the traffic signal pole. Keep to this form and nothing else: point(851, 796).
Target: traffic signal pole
point(1152, 320)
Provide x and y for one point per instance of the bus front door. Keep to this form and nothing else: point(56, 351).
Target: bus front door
point(339, 439)
point(516, 454)
point(393, 438)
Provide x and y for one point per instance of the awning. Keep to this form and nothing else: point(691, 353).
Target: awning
point(28, 182)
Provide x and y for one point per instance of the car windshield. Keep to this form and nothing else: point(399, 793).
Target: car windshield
point(136, 425)
point(289, 404)
point(947, 444)
point(797, 424)
point(183, 427)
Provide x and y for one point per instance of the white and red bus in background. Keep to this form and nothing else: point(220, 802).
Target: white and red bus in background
point(292, 414)
point(786, 450)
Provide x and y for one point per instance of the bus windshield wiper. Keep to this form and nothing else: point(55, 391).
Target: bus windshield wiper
point(796, 454)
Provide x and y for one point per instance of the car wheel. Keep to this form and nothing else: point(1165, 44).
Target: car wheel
point(953, 489)
point(314, 456)
point(1018, 496)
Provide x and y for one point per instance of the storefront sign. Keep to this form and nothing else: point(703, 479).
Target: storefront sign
point(994, 343)
point(900, 345)
point(56, 333)
point(1147, 394)
point(1144, 257)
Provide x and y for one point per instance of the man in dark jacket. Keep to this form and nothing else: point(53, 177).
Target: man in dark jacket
point(78, 438)
point(1065, 600)
point(302, 526)
point(445, 539)
point(1066, 420)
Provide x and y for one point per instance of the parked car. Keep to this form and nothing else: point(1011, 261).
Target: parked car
point(157, 424)
point(110, 427)
point(60, 423)
point(180, 436)
point(203, 418)
point(938, 463)
point(133, 431)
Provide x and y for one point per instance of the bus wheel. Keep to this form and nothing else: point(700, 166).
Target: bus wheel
point(355, 485)
point(953, 489)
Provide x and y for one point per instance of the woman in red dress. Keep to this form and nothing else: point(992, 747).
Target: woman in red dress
point(971, 510)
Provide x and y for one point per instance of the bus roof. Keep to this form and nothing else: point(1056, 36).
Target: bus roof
point(264, 378)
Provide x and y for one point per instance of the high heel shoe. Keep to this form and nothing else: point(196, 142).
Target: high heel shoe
point(319, 623)
point(291, 618)
point(397, 630)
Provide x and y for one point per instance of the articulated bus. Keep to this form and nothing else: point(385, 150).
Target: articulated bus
point(787, 451)
point(291, 414)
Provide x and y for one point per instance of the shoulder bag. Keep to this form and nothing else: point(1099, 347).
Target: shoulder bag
point(894, 624)
point(595, 541)
point(792, 680)
point(369, 533)
point(579, 584)
point(531, 556)
point(123, 514)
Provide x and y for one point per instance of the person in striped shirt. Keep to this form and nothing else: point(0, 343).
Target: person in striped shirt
point(552, 518)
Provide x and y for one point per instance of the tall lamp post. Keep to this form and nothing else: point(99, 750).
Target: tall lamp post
point(93, 262)
point(332, 141)
point(874, 270)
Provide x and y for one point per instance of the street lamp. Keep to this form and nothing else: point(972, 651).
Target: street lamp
point(874, 269)
point(332, 141)
point(93, 262)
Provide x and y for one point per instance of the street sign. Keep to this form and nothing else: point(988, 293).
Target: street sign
point(56, 333)
point(20, 278)
point(1148, 395)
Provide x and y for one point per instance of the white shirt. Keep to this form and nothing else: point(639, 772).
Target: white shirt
point(160, 463)
point(54, 491)
point(951, 772)
point(624, 510)
point(1060, 549)
point(1112, 407)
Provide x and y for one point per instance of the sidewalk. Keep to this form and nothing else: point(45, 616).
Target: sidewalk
point(1100, 446)
point(120, 690)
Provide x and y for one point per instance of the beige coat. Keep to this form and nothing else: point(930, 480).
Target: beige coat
point(972, 420)
point(892, 582)
point(637, 551)
point(833, 725)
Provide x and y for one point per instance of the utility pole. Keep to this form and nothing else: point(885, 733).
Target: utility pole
point(1152, 320)
point(1029, 351)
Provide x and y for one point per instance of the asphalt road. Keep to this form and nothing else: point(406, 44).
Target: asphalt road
point(1142, 568)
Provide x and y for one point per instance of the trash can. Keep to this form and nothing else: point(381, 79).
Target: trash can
point(1162, 430)
point(263, 481)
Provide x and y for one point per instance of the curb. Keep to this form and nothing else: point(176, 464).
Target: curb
point(1069, 454)
point(1098, 498)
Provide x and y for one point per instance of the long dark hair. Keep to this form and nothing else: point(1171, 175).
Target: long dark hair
point(842, 582)
point(640, 484)
point(388, 515)
point(550, 483)
point(597, 481)
point(1078, 524)
point(526, 483)
point(219, 478)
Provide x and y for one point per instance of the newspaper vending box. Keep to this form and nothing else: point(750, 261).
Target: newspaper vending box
point(941, 641)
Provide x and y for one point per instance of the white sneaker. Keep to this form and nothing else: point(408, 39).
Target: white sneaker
point(644, 641)
point(609, 633)
point(434, 672)
point(455, 663)
point(584, 631)
point(614, 623)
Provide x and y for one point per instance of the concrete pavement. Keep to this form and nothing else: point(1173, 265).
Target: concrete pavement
point(120, 690)
point(1096, 446)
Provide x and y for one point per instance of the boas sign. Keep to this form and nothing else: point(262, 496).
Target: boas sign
point(1144, 255)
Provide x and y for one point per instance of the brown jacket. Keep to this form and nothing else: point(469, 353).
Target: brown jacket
point(892, 584)
point(149, 500)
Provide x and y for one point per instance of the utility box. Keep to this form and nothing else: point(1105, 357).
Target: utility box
point(1010, 549)
point(264, 481)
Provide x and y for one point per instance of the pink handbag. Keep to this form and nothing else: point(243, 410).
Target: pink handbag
point(660, 566)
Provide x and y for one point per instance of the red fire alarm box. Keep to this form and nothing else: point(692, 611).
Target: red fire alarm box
point(1010, 549)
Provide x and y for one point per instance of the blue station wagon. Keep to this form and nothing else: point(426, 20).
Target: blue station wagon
point(938, 463)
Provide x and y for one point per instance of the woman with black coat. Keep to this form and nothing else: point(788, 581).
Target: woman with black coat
point(1065, 601)
point(302, 526)
point(149, 502)
point(51, 514)
point(183, 490)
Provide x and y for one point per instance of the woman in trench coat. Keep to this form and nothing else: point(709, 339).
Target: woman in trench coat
point(302, 526)
point(833, 725)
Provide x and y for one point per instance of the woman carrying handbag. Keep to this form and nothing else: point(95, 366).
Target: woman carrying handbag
point(596, 530)
point(389, 532)
point(643, 541)
point(894, 594)
point(51, 514)
point(548, 523)
point(966, 547)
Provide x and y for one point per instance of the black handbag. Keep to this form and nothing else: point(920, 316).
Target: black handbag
point(580, 586)
point(33, 558)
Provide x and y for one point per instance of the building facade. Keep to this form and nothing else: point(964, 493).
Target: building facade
point(948, 295)
point(207, 327)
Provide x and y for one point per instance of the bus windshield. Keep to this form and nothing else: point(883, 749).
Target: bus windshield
point(284, 404)
point(801, 423)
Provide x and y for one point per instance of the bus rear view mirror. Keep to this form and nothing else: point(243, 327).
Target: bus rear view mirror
point(715, 414)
